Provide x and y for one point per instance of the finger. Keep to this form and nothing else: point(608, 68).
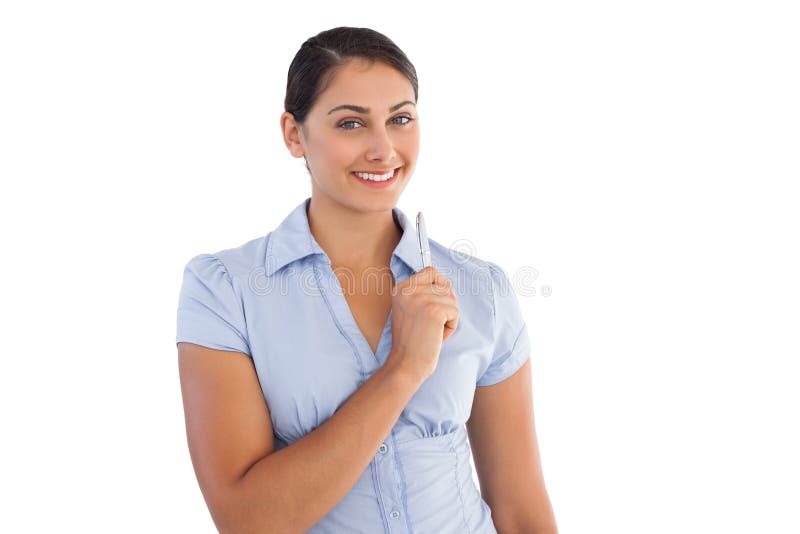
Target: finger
point(443, 286)
point(452, 318)
point(427, 277)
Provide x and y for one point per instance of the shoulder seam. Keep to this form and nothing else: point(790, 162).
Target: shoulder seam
point(224, 268)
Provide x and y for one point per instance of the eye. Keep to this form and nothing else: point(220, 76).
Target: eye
point(343, 123)
point(404, 117)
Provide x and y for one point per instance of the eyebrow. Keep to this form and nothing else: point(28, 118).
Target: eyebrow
point(360, 109)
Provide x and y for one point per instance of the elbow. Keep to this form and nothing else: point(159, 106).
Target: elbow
point(234, 513)
point(229, 512)
point(233, 519)
point(226, 515)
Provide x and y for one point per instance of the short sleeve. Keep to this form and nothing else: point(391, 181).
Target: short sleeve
point(209, 311)
point(511, 346)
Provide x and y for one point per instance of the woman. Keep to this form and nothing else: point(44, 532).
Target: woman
point(318, 401)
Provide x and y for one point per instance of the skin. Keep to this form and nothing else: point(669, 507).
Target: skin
point(353, 224)
point(505, 450)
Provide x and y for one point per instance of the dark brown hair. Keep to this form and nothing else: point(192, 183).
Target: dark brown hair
point(322, 55)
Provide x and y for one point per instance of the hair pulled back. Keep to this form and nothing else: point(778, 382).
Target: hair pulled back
point(322, 55)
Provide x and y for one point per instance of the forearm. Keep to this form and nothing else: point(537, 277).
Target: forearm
point(293, 488)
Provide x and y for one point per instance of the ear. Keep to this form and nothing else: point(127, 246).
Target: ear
point(292, 135)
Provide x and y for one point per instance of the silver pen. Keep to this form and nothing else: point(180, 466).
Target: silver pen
point(422, 236)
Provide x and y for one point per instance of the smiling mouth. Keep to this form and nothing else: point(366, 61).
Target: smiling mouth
point(382, 172)
point(395, 173)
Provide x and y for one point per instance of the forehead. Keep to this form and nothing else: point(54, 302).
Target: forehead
point(364, 84)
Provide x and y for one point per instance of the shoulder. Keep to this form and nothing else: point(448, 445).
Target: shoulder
point(454, 260)
point(470, 273)
point(448, 259)
point(237, 262)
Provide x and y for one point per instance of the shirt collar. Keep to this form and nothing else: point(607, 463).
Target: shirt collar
point(292, 240)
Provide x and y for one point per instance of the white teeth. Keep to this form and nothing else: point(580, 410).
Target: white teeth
point(375, 177)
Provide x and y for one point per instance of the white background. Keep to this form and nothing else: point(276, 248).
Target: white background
point(641, 156)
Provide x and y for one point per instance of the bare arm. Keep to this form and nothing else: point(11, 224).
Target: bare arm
point(247, 485)
point(505, 448)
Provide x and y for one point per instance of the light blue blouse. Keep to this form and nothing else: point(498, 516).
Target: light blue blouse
point(276, 299)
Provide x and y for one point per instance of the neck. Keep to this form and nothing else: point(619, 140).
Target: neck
point(354, 239)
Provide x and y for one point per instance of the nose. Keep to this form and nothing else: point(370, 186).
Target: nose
point(381, 147)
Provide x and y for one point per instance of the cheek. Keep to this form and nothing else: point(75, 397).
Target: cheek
point(341, 151)
point(409, 143)
point(326, 145)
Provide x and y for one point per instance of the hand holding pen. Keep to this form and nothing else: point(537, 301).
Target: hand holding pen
point(423, 316)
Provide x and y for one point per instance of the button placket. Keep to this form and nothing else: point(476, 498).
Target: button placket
point(389, 479)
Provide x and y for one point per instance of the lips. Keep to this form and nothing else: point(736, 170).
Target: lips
point(378, 184)
point(392, 172)
point(382, 172)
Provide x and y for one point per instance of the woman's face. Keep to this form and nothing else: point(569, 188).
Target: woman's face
point(379, 138)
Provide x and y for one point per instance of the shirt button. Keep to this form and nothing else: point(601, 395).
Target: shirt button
point(383, 448)
point(395, 514)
